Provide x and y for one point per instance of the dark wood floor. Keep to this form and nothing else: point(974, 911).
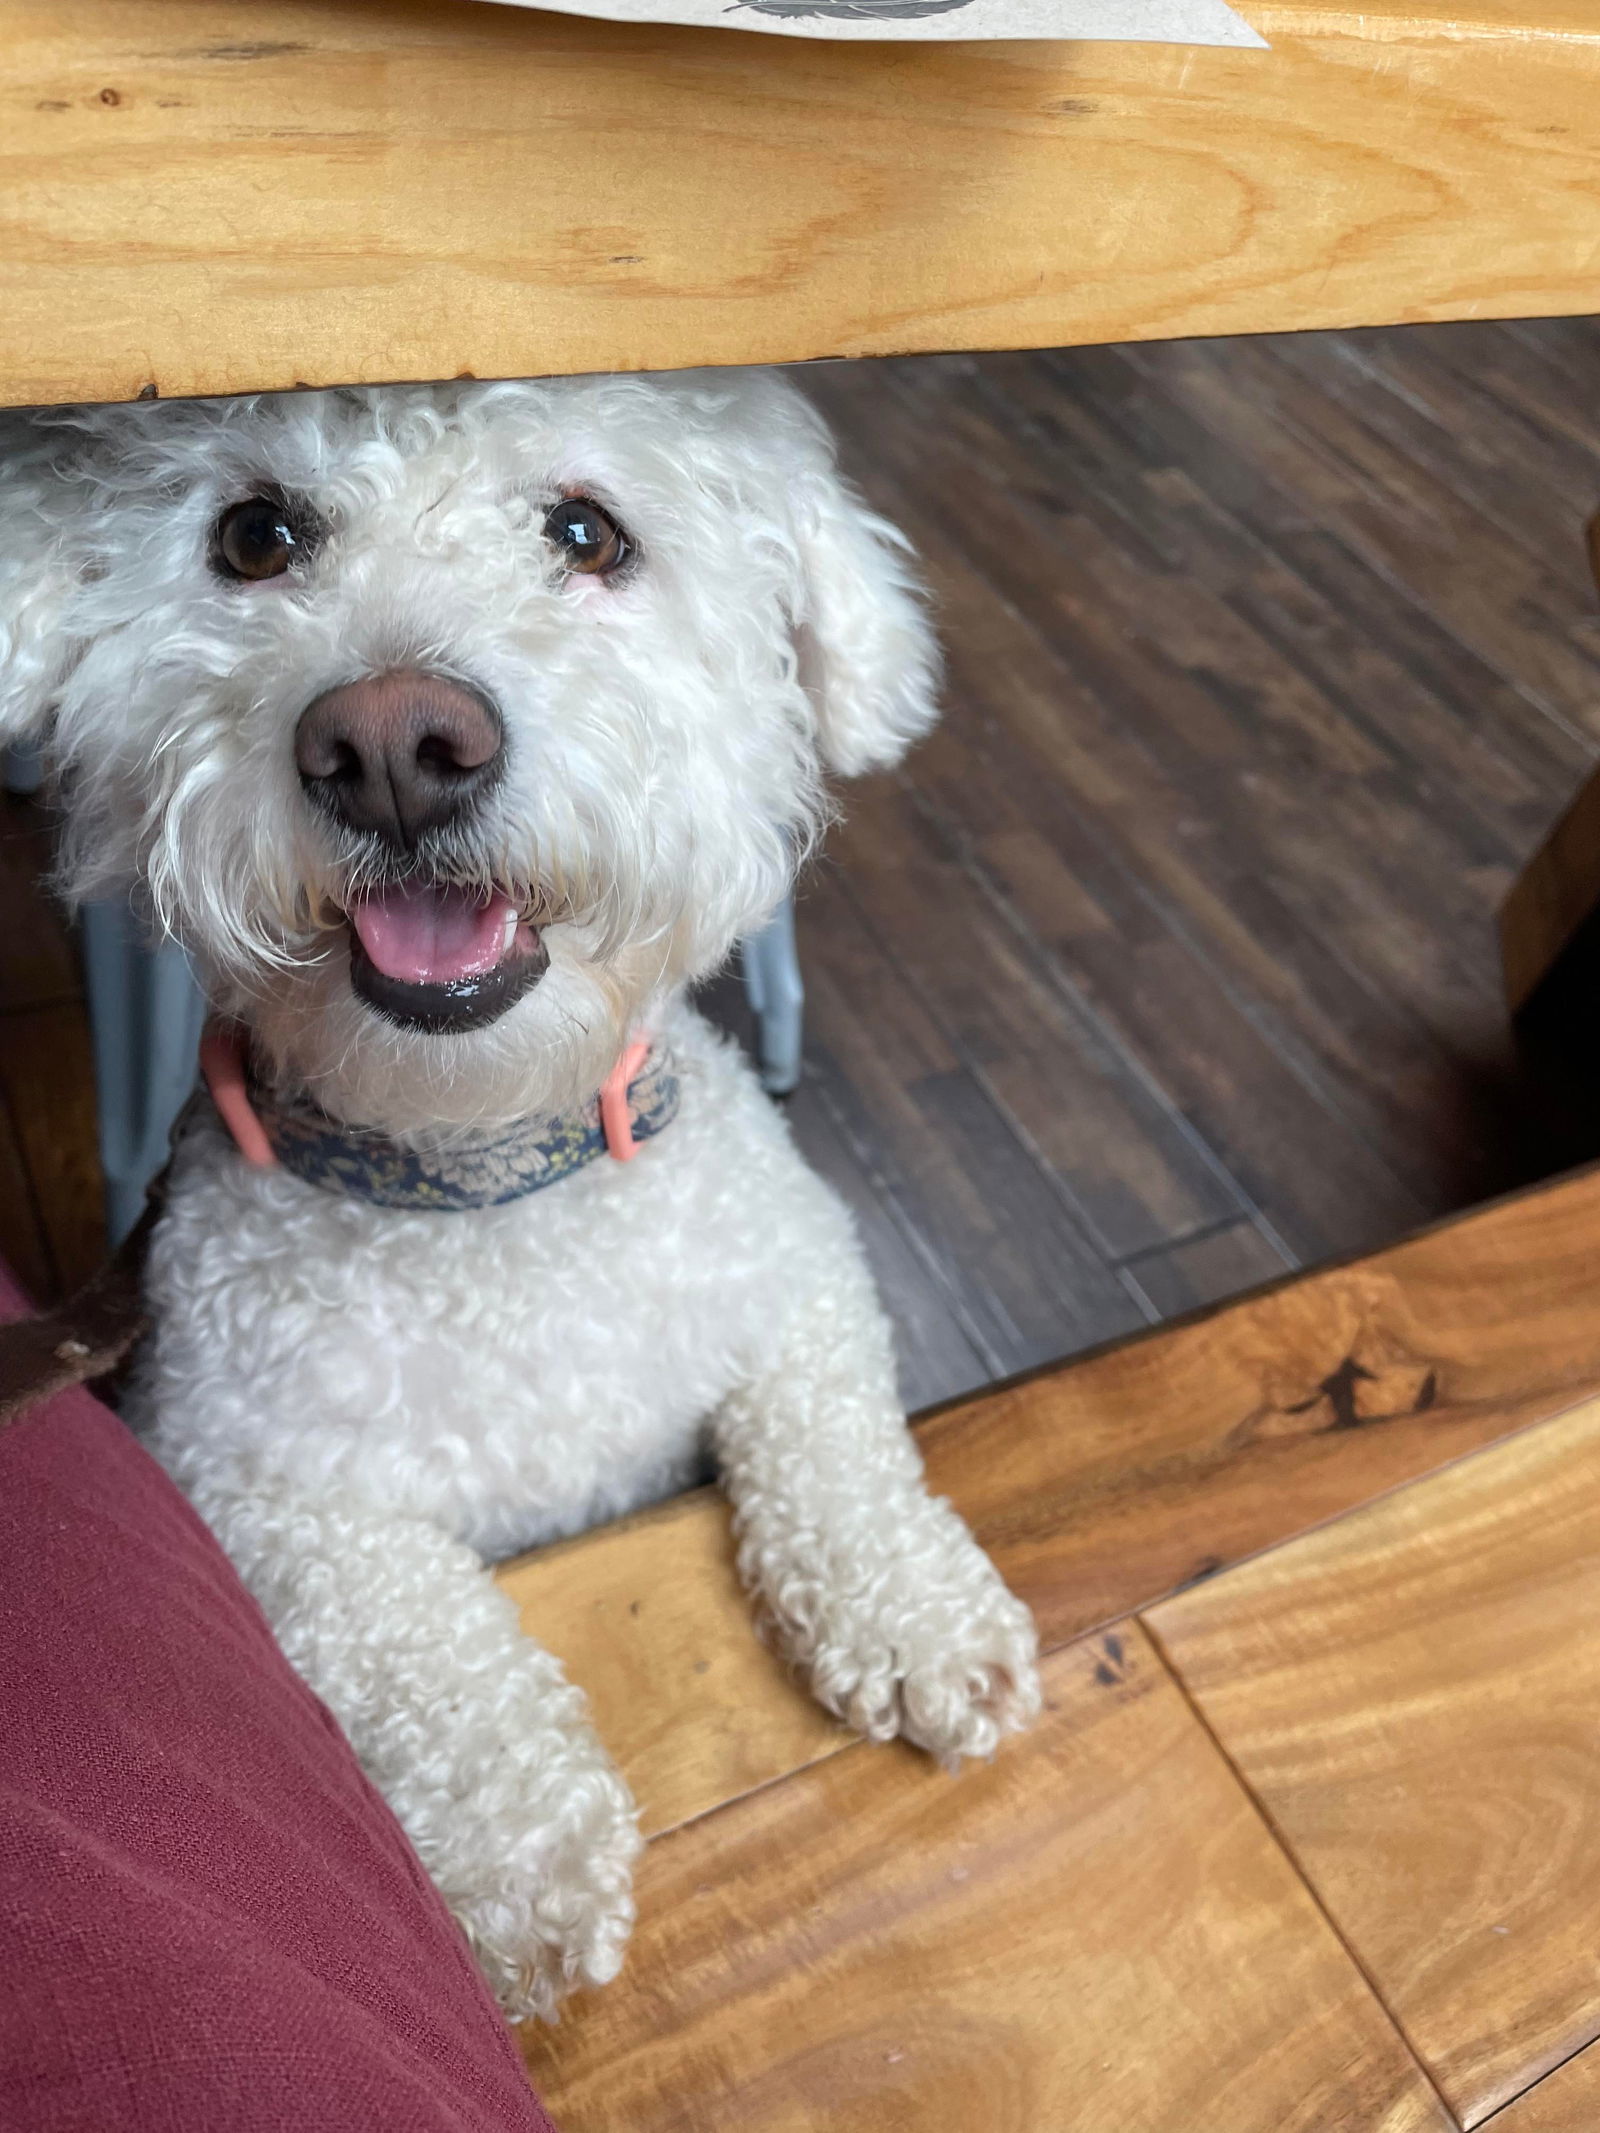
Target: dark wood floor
point(1169, 962)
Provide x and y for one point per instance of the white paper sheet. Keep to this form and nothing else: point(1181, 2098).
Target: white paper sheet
point(941, 21)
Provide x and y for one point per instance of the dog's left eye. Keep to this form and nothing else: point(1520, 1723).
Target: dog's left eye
point(586, 538)
point(261, 537)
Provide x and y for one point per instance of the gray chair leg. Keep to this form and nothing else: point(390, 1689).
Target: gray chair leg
point(145, 1014)
point(777, 998)
point(22, 772)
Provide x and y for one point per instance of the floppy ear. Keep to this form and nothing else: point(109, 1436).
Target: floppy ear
point(868, 657)
point(36, 581)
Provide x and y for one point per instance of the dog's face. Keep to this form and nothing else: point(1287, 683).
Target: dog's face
point(450, 726)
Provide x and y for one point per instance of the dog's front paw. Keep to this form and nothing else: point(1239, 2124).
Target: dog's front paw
point(965, 1699)
point(939, 1653)
point(547, 1900)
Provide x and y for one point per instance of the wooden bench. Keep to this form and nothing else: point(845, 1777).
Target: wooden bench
point(1306, 1838)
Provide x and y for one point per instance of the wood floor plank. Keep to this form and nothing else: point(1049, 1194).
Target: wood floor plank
point(1153, 983)
point(1104, 440)
point(1571, 354)
point(1412, 1694)
point(1207, 1269)
point(1095, 1931)
point(1121, 1155)
point(1497, 600)
point(1402, 1005)
point(1434, 422)
point(1354, 647)
point(1101, 473)
point(1524, 376)
point(1035, 1282)
point(648, 1614)
point(1167, 422)
point(1566, 2101)
point(920, 1291)
point(1105, 1484)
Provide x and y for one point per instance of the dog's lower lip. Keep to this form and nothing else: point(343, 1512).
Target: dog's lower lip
point(454, 1004)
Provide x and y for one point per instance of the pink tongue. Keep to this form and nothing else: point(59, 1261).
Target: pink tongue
point(427, 935)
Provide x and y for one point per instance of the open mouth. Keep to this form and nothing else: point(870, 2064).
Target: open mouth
point(431, 956)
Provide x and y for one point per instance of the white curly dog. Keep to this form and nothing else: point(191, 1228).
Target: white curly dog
point(456, 730)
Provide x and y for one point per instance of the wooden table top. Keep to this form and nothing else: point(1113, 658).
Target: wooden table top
point(1308, 1839)
point(199, 196)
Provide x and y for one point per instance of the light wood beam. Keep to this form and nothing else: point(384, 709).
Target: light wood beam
point(200, 196)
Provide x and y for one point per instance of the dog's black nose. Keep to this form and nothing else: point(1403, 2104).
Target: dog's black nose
point(400, 753)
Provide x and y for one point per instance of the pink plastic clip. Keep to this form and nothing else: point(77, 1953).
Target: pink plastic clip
point(616, 1119)
point(222, 1064)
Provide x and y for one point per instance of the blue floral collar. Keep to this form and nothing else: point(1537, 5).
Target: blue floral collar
point(474, 1170)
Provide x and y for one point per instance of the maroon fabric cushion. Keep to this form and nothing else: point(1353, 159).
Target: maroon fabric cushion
point(209, 1922)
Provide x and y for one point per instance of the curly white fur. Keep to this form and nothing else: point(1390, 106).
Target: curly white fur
point(368, 1405)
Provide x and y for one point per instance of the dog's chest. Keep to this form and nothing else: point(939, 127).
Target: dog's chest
point(516, 1372)
point(552, 1373)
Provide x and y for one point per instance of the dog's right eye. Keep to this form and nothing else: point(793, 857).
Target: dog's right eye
point(587, 539)
point(260, 538)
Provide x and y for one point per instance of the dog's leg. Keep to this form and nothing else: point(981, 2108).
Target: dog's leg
point(469, 1729)
point(874, 1587)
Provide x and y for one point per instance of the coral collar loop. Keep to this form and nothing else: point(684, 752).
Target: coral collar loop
point(222, 1066)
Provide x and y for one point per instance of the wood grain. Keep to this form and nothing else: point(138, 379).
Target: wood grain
point(1412, 1694)
point(1095, 1931)
point(1102, 1485)
point(410, 188)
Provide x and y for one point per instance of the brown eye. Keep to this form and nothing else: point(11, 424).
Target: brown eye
point(585, 538)
point(261, 537)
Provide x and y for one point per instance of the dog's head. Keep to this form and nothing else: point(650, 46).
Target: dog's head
point(450, 726)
